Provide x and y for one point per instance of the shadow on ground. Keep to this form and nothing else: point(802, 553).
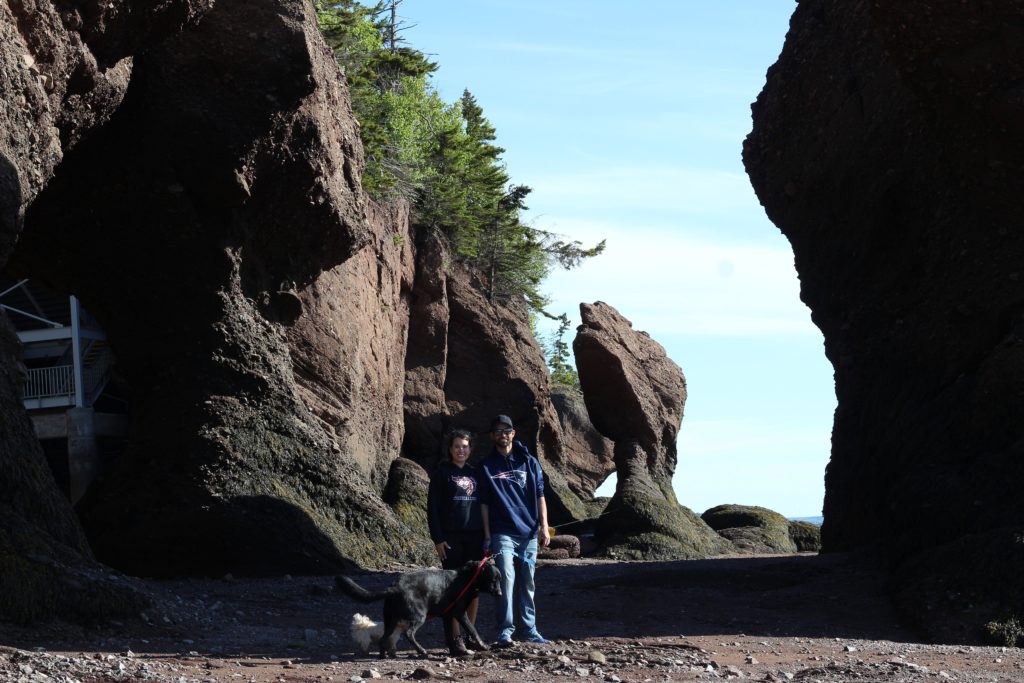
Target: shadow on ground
point(814, 596)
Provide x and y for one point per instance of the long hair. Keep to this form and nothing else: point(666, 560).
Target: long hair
point(450, 439)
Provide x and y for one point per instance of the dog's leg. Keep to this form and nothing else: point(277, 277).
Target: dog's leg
point(389, 641)
point(410, 634)
point(469, 631)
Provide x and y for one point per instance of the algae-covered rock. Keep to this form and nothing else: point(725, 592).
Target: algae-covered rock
point(806, 536)
point(256, 446)
point(668, 531)
point(766, 530)
point(406, 493)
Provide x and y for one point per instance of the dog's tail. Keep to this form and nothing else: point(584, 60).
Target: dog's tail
point(357, 592)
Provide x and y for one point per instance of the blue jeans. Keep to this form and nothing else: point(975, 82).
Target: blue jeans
point(517, 587)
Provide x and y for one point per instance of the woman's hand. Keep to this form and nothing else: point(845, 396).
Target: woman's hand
point(442, 549)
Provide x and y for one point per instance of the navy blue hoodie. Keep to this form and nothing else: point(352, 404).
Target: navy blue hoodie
point(510, 488)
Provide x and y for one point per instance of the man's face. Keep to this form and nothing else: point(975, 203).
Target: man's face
point(502, 436)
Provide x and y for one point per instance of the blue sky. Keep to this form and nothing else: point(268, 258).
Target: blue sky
point(628, 125)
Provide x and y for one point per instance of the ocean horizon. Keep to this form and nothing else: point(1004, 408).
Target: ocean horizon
point(813, 520)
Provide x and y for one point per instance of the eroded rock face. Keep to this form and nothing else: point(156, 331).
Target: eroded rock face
point(588, 456)
point(886, 147)
point(226, 216)
point(63, 72)
point(348, 346)
point(635, 396)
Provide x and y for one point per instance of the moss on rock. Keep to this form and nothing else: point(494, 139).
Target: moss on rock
point(805, 536)
point(406, 493)
point(645, 527)
point(751, 529)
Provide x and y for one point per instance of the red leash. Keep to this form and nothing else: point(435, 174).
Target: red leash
point(487, 555)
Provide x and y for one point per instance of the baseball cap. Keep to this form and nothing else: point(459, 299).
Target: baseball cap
point(501, 419)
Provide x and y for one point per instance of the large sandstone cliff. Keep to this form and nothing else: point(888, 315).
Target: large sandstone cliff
point(215, 225)
point(63, 71)
point(886, 147)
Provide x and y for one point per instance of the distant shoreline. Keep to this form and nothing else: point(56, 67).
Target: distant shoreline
point(813, 520)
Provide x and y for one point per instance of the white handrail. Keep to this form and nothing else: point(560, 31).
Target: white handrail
point(49, 382)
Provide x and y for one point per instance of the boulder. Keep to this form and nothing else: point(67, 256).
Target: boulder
point(562, 547)
point(885, 147)
point(751, 528)
point(805, 536)
point(406, 493)
point(634, 395)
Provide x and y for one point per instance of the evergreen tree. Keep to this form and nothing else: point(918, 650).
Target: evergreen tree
point(397, 110)
point(444, 157)
point(562, 372)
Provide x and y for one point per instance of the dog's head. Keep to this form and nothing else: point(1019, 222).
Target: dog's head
point(489, 580)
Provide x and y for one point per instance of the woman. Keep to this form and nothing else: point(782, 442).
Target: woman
point(453, 513)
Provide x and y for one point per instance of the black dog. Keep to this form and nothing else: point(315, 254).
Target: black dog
point(428, 593)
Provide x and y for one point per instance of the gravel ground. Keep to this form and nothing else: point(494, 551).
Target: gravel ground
point(768, 618)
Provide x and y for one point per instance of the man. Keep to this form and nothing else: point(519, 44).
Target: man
point(515, 518)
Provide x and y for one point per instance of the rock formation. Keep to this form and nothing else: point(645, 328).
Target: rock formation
point(751, 528)
point(635, 396)
point(63, 72)
point(588, 456)
point(886, 147)
point(226, 218)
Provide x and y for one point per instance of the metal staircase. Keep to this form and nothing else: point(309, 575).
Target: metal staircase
point(65, 351)
point(69, 363)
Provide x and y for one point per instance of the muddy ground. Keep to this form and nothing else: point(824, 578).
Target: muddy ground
point(796, 617)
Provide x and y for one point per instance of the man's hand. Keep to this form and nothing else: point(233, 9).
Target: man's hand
point(544, 536)
point(442, 549)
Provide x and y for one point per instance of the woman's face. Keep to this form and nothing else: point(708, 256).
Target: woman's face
point(459, 452)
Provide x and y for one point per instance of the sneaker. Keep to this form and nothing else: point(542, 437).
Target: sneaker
point(504, 641)
point(537, 639)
